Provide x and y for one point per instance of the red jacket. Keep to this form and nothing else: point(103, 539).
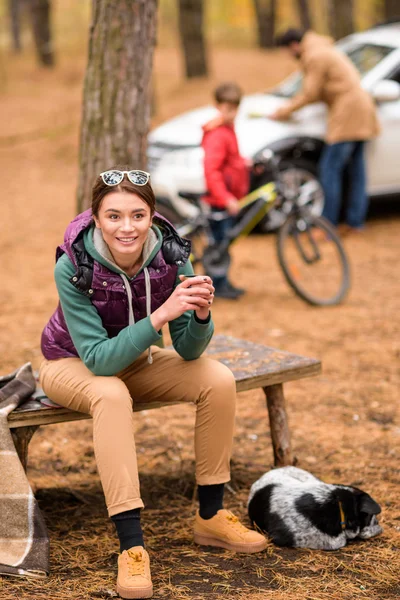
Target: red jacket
point(225, 171)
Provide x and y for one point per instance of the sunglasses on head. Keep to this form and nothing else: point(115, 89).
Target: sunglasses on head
point(116, 177)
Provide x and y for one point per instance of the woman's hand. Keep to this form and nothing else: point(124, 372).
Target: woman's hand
point(194, 293)
point(203, 311)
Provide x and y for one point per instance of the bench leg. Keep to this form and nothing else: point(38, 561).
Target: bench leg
point(279, 425)
point(22, 436)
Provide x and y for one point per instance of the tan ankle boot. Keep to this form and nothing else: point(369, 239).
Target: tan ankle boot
point(224, 530)
point(134, 577)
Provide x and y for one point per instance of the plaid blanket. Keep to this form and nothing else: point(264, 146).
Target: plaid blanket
point(24, 544)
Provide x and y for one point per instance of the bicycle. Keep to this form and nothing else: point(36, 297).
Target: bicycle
point(310, 252)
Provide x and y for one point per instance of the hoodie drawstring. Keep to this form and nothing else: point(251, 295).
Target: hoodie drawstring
point(129, 294)
point(148, 306)
point(148, 303)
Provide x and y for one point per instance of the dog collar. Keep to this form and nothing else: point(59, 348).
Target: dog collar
point(342, 516)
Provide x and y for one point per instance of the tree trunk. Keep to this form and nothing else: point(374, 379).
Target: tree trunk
point(40, 11)
point(191, 29)
point(304, 12)
point(392, 9)
point(14, 10)
point(116, 103)
point(265, 14)
point(341, 18)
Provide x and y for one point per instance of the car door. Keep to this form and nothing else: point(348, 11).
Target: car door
point(383, 153)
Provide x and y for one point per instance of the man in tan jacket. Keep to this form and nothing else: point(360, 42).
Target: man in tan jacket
point(330, 77)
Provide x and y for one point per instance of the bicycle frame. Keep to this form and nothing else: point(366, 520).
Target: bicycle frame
point(300, 226)
point(258, 203)
point(263, 199)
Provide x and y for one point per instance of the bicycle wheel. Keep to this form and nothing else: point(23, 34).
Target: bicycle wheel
point(313, 259)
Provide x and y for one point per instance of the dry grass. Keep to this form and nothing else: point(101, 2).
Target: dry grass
point(345, 424)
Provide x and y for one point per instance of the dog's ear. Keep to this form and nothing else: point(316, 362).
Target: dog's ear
point(366, 504)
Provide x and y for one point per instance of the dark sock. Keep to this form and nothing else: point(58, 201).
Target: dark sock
point(129, 529)
point(211, 499)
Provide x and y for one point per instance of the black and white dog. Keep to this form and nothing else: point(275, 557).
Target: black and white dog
point(296, 509)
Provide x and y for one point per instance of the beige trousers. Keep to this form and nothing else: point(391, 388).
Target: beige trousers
point(206, 382)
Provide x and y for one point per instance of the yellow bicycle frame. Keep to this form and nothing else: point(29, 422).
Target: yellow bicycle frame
point(267, 191)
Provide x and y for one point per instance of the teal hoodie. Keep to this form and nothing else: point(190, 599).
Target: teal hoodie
point(107, 356)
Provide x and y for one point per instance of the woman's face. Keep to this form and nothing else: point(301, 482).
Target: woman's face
point(124, 220)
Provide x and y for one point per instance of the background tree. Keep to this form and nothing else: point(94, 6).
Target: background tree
point(116, 103)
point(14, 11)
point(40, 13)
point(304, 13)
point(392, 9)
point(341, 18)
point(265, 16)
point(191, 30)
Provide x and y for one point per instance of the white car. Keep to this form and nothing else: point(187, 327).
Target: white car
point(175, 157)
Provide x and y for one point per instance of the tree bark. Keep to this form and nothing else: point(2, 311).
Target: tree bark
point(40, 13)
point(304, 13)
point(191, 30)
point(14, 11)
point(117, 89)
point(265, 14)
point(341, 18)
point(392, 9)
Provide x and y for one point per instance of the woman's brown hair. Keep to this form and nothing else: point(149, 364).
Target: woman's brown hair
point(100, 190)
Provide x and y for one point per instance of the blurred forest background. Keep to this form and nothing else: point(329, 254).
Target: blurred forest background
point(243, 23)
point(192, 36)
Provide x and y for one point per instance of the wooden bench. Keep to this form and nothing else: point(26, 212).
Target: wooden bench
point(254, 366)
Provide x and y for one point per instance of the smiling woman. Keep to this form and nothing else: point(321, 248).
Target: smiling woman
point(123, 273)
point(124, 216)
point(124, 220)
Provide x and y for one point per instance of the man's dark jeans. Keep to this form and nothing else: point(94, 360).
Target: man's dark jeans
point(335, 158)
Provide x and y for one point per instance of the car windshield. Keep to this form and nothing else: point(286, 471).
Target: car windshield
point(364, 57)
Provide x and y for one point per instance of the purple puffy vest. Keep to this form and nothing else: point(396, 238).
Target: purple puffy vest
point(106, 289)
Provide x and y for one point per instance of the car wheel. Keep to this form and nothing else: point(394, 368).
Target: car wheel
point(295, 175)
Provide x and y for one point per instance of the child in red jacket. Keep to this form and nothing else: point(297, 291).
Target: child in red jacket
point(226, 173)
